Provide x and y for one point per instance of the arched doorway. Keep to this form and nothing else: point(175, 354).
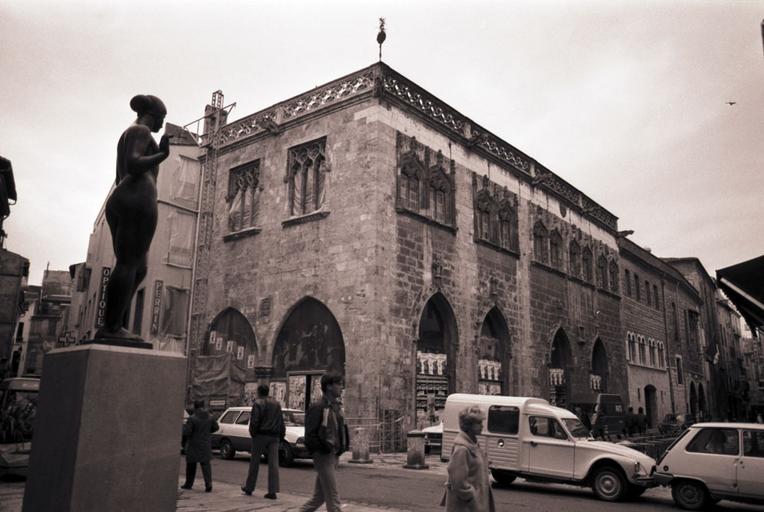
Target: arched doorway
point(693, 402)
point(308, 345)
point(436, 357)
point(600, 371)
point(560, 362)
point(225, 370)
point(701, 403)
point(651, 406)
point(494, 355)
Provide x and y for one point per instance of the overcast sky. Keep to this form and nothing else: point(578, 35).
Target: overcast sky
point(626, 100)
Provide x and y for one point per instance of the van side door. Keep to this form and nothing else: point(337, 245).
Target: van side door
point(550, 450)
point(501, 437)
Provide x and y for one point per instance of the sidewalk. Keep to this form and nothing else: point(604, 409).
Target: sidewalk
point(229, 498)
point(223, 498)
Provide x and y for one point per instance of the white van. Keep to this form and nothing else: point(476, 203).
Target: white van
point(529, 438)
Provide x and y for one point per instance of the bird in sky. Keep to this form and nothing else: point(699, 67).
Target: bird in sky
point(730, 103)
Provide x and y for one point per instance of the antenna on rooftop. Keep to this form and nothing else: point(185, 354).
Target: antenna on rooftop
point(381, 36)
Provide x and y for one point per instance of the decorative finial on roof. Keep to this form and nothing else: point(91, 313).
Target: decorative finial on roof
point(381, 36)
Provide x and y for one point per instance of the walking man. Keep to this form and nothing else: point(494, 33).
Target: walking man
point(198, 449)
point(326, 436)
point(266, 426)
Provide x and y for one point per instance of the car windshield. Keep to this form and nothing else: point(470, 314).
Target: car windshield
point(576, 428)
point(294, 418)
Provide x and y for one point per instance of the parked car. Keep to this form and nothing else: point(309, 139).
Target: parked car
point(433, 438)
point(529, 438)
point(673, 424)
point(234, 435)
point(710, 462)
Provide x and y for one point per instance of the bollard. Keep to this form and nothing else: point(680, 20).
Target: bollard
point(415, 452)
point(360, 444)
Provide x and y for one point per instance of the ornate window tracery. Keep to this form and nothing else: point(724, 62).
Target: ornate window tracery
point(495, 214)
point(555, 249)
point(586, 264)
point(540, 242)
point(602, 272)
point(423, 189)
point(613, 276)
point(306, 177)
point(575, 258)
point(507, 222)
point(243, 196)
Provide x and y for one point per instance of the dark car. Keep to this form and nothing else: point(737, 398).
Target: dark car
point(673, 424)
point(433, 438)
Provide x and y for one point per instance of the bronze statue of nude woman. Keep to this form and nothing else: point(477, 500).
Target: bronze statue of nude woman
point(131, 211)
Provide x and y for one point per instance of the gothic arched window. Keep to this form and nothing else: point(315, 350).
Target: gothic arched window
point(586, 264)
point(575, 258)
point(602, 272)
point(613, 276)
point(540, 244)
point(306, 177)
point(555, 249)
point(243, 196)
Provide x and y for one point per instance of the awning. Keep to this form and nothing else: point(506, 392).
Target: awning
point(744, 285)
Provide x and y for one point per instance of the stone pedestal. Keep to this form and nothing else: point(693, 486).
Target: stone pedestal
point(107, 432)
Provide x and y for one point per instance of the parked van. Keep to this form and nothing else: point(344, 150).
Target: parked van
point(609, 418)
point(529, 438)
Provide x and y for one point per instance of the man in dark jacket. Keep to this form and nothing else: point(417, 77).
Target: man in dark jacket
point(198, 449)
point(326, 436)
point(266, 426)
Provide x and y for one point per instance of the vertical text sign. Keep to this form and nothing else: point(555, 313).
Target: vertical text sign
point(101, 310)
point(156, 307)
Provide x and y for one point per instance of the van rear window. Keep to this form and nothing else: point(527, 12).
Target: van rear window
point(503, 419)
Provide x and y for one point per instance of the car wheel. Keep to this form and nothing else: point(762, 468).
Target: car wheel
point(286, 457)
point(226, 449)
point(690, 495)
point(503, 477)
point(608, 484)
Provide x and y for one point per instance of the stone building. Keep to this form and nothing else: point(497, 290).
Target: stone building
point(731, 358)
point(708, 402)
point(159, 311)
point(661, 351)
point(369, 228)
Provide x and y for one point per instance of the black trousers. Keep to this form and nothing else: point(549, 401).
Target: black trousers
point(191, 474)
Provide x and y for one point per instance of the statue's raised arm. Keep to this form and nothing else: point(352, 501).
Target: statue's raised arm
point(131, 211)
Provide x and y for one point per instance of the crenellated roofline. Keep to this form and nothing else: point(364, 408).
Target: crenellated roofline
point(381, 81)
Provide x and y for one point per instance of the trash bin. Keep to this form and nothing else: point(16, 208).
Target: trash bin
point(360, 444)
point(415, 450)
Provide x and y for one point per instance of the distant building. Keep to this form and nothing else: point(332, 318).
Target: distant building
point(706, 346)
point(731, 359)
point(31, 299)
point(662, 365)
point(49, 322)
point(159, 311)
point(367, 227)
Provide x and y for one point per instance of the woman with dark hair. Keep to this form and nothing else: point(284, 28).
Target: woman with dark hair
point(468, 487)
point(131, 210)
